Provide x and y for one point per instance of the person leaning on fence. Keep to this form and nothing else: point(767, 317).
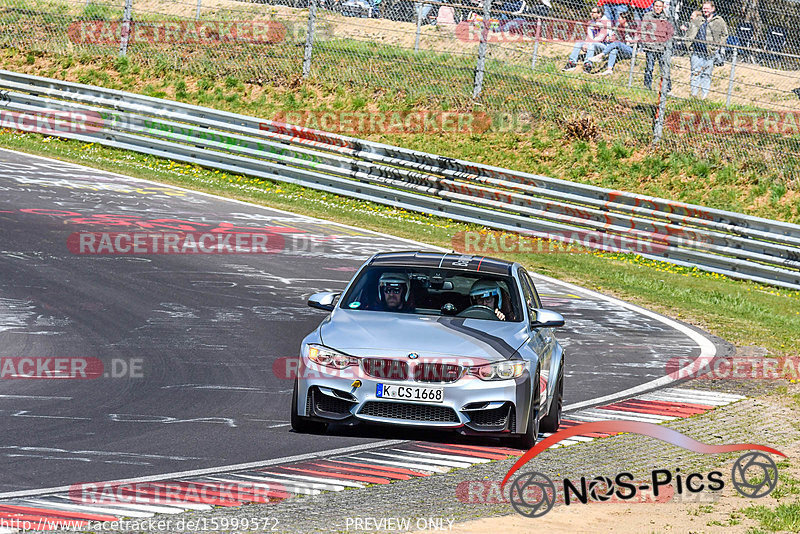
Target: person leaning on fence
point(620, 46)
point(596, 32)
point(656, 30)
point(708, 34)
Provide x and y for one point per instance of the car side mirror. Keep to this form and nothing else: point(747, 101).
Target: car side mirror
point(323, 301)
point(547, 319)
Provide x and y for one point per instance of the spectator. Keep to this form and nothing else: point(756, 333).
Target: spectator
point(639, 8)
point(708, 33)
point(612, 8)
point(656, 30)
point(596, 33)
point(620, 44)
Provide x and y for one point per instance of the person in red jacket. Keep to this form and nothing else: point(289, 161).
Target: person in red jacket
point(639, 8)
point(612, 8)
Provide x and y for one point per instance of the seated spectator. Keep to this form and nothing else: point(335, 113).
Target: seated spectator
point(620, 45)
point(596, 33)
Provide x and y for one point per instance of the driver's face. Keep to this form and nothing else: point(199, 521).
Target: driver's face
point(394, 297)
point(485, 301)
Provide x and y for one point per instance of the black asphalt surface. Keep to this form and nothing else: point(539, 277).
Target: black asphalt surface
point(204, 331)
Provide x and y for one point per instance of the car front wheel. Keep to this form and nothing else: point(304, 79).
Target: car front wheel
point(303, 425)
point(528, 439)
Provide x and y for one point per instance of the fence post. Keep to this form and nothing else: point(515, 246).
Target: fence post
point(478, 87)
point(536, 42)
point(125, 32)
point(312, 15)
point(418, 7)
point(730, 82)
point(665, 66)
point(633, 63)
point(197, 13)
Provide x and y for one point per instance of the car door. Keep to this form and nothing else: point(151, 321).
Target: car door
point(541, 340)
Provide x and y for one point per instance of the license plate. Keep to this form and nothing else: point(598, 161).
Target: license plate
point(392, 391)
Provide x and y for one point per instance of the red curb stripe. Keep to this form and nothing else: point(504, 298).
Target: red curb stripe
point(652, 410)
point(401, 470)
point(464, 452)
point(511, 452)
point(260, 494)
point(159, 498)
point(674, 405)
point(359, 478)
point(339, 468)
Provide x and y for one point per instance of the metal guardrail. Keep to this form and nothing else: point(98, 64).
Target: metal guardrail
point(729, 243)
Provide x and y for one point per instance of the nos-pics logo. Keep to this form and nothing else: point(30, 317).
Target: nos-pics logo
point(533, 494)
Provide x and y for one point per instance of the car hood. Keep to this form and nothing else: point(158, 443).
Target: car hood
point(370, 333)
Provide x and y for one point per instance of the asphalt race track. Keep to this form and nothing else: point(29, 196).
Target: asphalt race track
point(189, 342)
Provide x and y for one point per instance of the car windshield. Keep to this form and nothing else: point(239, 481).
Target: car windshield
point(435, 291)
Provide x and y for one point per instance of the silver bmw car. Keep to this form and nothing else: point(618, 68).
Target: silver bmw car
point(433, 340)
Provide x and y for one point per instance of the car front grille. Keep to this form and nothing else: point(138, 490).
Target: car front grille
point(385, 369)
point(410, 412)
point(388, 369)
point(437, 372)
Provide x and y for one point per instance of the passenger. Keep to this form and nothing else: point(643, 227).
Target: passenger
point(487, 293)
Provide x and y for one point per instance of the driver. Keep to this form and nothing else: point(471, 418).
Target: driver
point(487, 293)
point(393, 292)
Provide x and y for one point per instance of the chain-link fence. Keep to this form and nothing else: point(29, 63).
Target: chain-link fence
point(732, 93)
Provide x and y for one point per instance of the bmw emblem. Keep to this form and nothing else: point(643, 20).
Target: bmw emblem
point(413, 355)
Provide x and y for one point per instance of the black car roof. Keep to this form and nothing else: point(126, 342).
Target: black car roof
point(450, 260)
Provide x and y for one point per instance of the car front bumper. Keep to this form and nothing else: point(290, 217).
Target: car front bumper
point(470, 405)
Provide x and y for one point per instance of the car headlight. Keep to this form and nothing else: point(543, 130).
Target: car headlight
point(498, 370)
point(330, 358)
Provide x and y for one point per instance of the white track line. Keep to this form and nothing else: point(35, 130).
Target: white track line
point(88, 508)
point(423, 461)
point(155, 508)
point(340, 484)
point(455, 457)
point(705, 394)
point(405, 465)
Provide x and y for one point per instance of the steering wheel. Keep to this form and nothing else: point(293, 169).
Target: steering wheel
point(478, 312)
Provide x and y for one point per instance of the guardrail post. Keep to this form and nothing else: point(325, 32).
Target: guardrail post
point(312, 15)
point(197, 13)
point(730, 81)
point(478, 87)
point(418, 7)
point(633, 63)
point(536, 42)
point(125, 32)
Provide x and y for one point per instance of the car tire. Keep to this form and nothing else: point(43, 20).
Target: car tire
point(552, 420)
point(302, 425)
point(528, 439)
